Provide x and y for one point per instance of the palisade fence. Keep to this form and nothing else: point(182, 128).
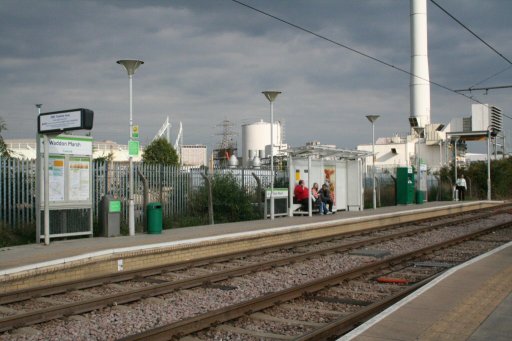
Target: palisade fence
point(169, 185)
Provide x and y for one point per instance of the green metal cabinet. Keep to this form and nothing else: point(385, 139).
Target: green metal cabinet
point(404, 185)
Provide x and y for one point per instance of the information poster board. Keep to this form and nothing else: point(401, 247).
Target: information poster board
point(69, 169)
point(69, 186)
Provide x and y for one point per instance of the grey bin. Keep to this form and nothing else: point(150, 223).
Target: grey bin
point(111, 216)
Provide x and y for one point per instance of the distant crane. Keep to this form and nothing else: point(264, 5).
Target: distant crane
point(166, 127)
point(179, 141)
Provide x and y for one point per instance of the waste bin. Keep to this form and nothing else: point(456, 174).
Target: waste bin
point(154, 212)
point(111, 216)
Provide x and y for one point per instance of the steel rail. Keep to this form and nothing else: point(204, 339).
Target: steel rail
point(346, 323)
point(197, 323)
point(53, 312)
point(26, 294)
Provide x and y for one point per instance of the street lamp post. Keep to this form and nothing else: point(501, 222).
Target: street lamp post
point(372, 119)
point(489, 134)
point(419, 131)
point(131, 66)
point(271, 96)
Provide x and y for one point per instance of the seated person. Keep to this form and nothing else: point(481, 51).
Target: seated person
point(317, 201)
point(325, 196)
point(301, 195)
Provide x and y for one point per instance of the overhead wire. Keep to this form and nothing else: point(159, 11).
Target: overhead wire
point(351, 49)
point(470, 31)
point(492, 76)
point(479, 38)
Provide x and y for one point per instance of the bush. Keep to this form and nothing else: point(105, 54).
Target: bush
point(476, 178)
point(231, 202)
point(17, 236)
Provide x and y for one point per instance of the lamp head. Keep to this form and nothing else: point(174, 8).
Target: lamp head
point(372, 118)
point(271, 95)
point(131, 65)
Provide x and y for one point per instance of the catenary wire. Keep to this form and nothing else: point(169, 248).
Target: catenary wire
point(355, 51)
point(473, 33)
point(479, 38)
point(492, 76)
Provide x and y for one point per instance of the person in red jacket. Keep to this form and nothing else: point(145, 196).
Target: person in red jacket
point(301, 194)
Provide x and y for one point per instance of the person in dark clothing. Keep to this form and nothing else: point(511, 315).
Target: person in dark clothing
point(325, 196)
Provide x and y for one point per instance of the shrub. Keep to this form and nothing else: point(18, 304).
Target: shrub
point(231, 202)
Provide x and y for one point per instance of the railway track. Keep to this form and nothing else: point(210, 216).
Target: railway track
point(218, 325)
point(21, 295)
point(153, 282)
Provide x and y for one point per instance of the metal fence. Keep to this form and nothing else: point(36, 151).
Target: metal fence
point(169, 185)
point(17, 192)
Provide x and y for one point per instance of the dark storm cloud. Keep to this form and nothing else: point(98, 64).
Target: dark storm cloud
point(207, 60)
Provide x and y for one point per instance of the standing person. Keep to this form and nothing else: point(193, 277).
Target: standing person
point(460, 185)
point(325, 196)
point(315, 196)
point(301, 194)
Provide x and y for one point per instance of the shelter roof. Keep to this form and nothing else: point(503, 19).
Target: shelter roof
point(321, 152)
point(469, 135)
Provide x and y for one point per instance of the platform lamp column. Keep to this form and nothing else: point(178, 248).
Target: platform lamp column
point(131, 66)
point(372, 119)
point(489, 163)
point(271, 96)
point(419, 131)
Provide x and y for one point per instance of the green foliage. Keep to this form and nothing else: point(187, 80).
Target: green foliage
point(4, 151)
point(476, 178)
point(104, 158)
point(160, 152)
point(231, 202)
point(17, 236)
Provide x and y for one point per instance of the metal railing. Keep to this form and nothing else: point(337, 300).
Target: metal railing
point(169, 185)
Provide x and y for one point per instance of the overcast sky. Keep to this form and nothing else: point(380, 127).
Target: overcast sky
point(209, 60)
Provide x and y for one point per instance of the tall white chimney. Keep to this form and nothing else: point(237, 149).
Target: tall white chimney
point(420, 87)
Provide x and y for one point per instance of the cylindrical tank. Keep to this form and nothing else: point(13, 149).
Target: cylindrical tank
point(256, 136)
point(233, 161)
point(256, 162)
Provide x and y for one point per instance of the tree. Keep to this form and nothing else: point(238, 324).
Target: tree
point(160, 152)
point(4, 151)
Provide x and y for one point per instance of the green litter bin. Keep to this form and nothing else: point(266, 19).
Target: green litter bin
point(154, 212)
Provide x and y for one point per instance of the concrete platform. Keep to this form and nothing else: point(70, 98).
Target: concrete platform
point(472, 301)
point(27, 266)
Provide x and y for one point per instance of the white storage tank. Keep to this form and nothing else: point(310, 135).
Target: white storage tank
point(256, 137)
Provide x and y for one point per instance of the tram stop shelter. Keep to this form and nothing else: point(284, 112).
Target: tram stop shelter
point(491, 136)
point(342, 170)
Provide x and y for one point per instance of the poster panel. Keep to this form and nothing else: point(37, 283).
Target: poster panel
point(330, 180)
point(56, 178)
point(79, 176)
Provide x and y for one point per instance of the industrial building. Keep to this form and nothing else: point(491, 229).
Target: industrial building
point(432, 144)
point(193, 155)
point(256, 141)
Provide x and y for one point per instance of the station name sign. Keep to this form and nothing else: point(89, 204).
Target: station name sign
point(69, 145)
point(59, 121)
